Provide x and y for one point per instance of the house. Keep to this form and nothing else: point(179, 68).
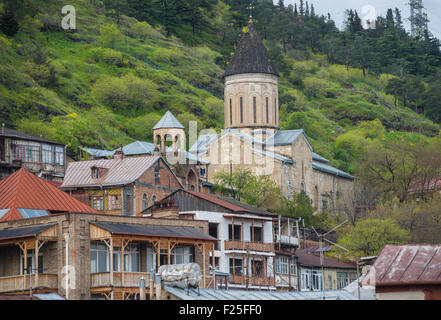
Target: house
point(286, 241)
point(406, 272)
point(121, 185)
point(245, 247)
point(336, 274)
point(107, 255)
point(252, 139)
point(25, 196)
point(40, 156)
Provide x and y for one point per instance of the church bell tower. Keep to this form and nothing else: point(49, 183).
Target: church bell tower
point(251, 99)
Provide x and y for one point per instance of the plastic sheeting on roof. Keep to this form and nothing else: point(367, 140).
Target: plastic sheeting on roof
point(32, 213)
point(212, 294)
point(99, 153)
point(3, 212)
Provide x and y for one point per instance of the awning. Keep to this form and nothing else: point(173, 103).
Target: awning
point(26, 232)
point(153, 231)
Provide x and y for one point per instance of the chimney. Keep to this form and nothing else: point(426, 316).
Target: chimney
point(118, 155)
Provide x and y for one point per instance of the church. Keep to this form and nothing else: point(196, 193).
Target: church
point(252, 138)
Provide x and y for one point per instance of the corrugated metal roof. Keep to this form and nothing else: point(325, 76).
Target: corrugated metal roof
point(20, 135)
point(120, 171)
point(98, 153)
point(273, 155)
point(319, 158)
point(156, 231)
point(138, 147)
point(212, 294)
point(331, 170)
point(24, 232)
point(286, 137)
point(168, 120)
point(24, 190)
point(229, 203)
point(408, 264)
point(305, 258)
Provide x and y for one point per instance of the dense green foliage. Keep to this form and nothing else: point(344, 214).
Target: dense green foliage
point(108, 82)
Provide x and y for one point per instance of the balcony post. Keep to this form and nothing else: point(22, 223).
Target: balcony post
point(111, 266)
point(36, 251)
point(203, 263)
point(214, 267)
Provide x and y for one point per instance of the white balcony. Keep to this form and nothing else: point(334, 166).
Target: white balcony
point(287, 240)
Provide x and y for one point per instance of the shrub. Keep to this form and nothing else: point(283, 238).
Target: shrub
point(50, 22)
point(110, 35)
point(314, 86)
point(141, 30)
point(126, 94)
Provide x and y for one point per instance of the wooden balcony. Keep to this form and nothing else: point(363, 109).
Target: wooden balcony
point(21, 283)
point(254, 280)
point(247, 245)
point(131, 280)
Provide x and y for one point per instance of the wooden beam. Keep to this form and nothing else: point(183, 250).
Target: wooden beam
point(168, 252)
point(203, 265)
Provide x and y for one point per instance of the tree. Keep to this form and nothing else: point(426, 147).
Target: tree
point(115, 8)
point(369, 236)
point(110, 35)
point(431, 101)
point(300, 206)
point(8, 24)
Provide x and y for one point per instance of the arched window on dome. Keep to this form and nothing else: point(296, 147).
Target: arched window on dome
point(254, 110)
point(241, 110)
point(144, 202)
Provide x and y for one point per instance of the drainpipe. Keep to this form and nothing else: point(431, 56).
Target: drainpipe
point(66, 238)
point(158, 287)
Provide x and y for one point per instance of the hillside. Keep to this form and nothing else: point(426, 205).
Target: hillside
point(102, 86)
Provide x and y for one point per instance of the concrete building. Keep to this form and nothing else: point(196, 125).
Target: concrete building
point(252, 138)
point(245, 247)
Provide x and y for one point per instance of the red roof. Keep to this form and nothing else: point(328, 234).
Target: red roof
point(22, 189)
point(407, 265)
point(305, 258)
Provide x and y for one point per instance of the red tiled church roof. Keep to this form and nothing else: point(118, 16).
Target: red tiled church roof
point(22, 189)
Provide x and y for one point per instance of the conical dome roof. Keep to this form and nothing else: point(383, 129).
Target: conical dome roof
point(250, 56)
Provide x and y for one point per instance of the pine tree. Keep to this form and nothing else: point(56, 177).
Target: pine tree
point(8, 24)
point(398, 19)
point(307, 9)
point(296, 13)
point(312, 10)
point(390, 19)
point(302, 8)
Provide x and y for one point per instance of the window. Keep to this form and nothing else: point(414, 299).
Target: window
point(128, 203)
point(241, 110)
point(256, 234)
point(257, 268)
point(254, 110)
point(95, 173)
point(97, 203)
point(59, 155)
point(157, 174)
point(236, 235)
point(213, 231)
point(25, 151)
point(151, 259)
point(231, 111)
point(342, 280)
point(181, 255)
point(47, 153)
point(98, 258)
point(114, 202)
point(329, 282)
point(311, 280)
point(30, 261)
point(202, 170)
point(153, 199)
point(131, 258)
point(286, 265)
point(324, 203)
point(144, 201)
point(267, 110)
point(236, 266)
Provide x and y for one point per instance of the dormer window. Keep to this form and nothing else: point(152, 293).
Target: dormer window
point(95, 173)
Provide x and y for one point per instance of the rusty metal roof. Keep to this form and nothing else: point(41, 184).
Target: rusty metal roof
point(155, 231)
point(24, 190)
point(24, 232)
point(307, 259)
point(119, 171)
point(408, 264)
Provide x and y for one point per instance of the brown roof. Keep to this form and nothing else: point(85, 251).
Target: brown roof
point(118, 171)
point(408, 264)
point(307, 259)
point(24, 190)
point(231, 204)
point(250, 55)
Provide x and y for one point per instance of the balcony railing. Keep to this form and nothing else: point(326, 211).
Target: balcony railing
point(247, 245)
point(287, 240)
point(130, 279)
point(22, 282)
point(253, 280)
